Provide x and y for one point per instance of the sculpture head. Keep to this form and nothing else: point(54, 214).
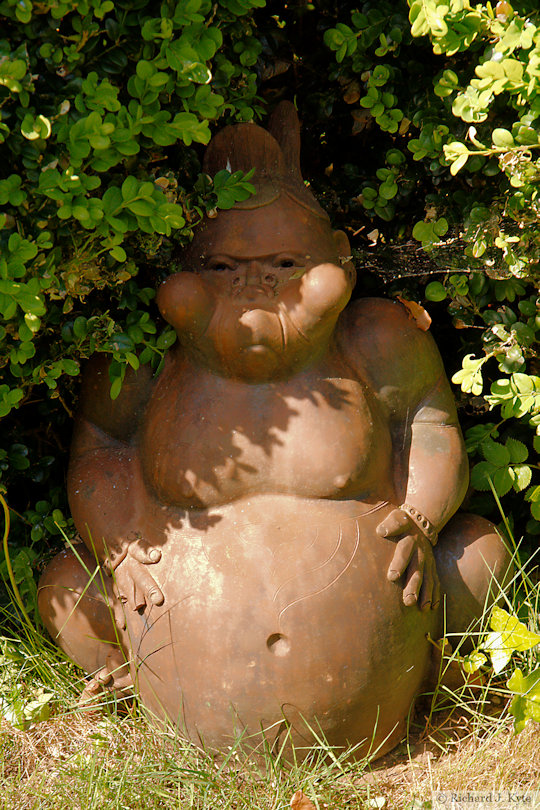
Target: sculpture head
point(266, 280)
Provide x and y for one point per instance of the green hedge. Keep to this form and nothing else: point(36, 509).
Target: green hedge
point(421, 134)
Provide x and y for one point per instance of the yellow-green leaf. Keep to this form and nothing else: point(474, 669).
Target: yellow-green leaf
point(473, 661)
point(516, 634)
point(509, 635)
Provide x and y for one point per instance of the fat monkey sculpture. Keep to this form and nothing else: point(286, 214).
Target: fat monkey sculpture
point(270, 504)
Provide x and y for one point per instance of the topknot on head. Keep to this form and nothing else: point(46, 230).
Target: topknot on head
point(273, 153)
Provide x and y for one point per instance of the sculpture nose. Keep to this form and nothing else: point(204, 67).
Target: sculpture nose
point(253, 278)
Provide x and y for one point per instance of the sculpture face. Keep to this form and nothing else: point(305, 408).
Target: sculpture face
point(261, 292)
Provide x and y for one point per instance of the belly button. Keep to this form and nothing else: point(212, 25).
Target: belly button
point(341, 481)
point(278, 645)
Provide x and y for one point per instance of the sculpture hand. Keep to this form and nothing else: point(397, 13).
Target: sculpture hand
point(133, 584)
point(413, 557)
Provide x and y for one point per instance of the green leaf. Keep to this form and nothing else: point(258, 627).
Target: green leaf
point(435, 291)
point(116, 387)
point(496, 453)
point(503, 480)
point(458, 164)
point(502, 138)
point(145, 69)
point(473, 661)
point(118, 253)
point(142, 208)
point(172, 214)
point(133, 360)
point(523, 476)
point(454, 150)
point(388, 190)
point(523, 383)
point(129, 188)
point(71, 367)
point(440, 226)
point(481, 474)
point(518, 451)
point(470, 376)
point(423, 231)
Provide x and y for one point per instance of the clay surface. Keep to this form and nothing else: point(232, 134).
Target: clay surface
point(269, 505)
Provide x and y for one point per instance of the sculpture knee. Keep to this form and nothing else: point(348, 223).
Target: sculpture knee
point(474, 567)
point(79, 613)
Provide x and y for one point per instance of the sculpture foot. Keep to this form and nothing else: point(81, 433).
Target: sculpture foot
point(81, 613)
point(474, 567)
point(116, 680)
point(446, 670)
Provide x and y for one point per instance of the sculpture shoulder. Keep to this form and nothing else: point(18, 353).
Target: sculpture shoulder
point(382, 342)
point(119, 417)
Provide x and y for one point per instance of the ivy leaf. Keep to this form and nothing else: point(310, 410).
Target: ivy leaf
point(509, 635)
point(473, 661)
point(526, 705)
point(500, 654)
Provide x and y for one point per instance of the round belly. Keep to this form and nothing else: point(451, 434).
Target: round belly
point(278, 615)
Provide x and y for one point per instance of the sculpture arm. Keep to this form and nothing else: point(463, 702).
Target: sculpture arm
point(118, 419)
point(401, 365)
point(106, 491)
point(437, 471)
point(103, 476)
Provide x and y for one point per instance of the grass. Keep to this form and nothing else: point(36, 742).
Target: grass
point(117, 760)
point(460, 738)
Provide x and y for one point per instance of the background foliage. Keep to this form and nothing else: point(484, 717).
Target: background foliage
point(421, 136)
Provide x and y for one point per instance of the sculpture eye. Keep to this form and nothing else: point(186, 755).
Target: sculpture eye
point(219, 265)
point(286, 262)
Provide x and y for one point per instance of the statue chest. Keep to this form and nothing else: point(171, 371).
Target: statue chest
point(207, 440)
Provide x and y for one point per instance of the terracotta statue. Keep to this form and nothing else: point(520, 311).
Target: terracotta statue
point(269, 506)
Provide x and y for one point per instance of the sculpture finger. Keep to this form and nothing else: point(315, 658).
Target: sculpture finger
point(119, 591)
point(402, 557)
point(426, 591)
point(395, 523)
point(144, 553)
point(145, 588)
point(115, 607)
point(138, 600)
point(415, 575)
point(125, 589)
point(436, 598)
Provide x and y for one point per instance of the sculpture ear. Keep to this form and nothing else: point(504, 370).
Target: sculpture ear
point(342, 243)
point(284, 125)
point(344, 253)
